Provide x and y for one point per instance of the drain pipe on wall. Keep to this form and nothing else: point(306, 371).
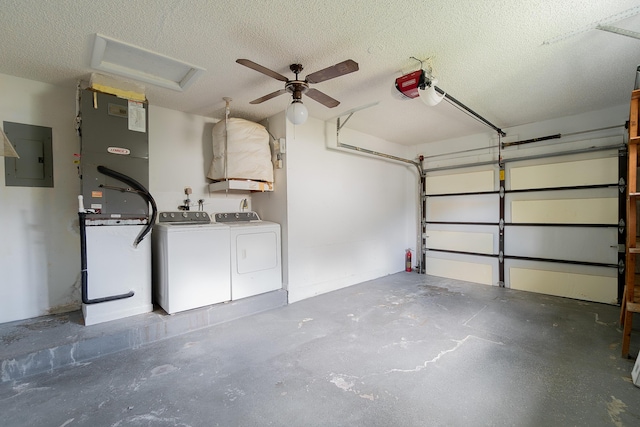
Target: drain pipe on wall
point(333, 128)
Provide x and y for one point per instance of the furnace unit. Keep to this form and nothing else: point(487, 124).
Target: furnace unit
point(114, 209)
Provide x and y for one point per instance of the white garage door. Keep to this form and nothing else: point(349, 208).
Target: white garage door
point(555, 232)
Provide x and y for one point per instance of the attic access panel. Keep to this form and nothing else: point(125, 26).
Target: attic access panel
point(124, 59)
point(33, 144)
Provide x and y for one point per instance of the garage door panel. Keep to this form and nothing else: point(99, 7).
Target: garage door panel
point(566, 211)
point(461, 182)
point(460, 270)
point(474, 208)
point(475, 242)
point(597, 245)
point(587, 287)
point(565, 174)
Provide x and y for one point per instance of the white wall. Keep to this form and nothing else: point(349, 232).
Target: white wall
point(40, 247)
point(350, 217)
point(273, 205)
point(180, 153)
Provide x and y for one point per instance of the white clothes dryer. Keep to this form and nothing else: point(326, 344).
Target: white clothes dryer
point(256, 254)
point(191, 261)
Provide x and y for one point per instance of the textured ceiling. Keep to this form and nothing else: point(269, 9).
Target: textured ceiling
point(489, 54)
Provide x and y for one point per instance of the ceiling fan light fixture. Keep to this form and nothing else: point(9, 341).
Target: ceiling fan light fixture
point(297, 113)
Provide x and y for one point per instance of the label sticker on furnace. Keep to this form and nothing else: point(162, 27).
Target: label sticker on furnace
point(119, 150)
point(137, 117)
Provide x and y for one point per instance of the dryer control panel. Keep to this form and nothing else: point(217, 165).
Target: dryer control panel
point(236, 217)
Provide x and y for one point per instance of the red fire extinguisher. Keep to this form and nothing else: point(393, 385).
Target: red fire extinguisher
point(407, 259)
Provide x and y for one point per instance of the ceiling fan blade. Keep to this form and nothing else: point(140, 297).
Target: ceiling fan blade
point(345, 67)
point(268, 97)
point(261, 69)
point(322, 98)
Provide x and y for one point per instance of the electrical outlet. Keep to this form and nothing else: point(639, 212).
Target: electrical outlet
point(282, 142)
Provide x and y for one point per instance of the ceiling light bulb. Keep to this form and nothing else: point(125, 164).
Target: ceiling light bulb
point(297, 113)
point(429, 95)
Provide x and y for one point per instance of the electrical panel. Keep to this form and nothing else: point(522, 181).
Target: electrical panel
point(33, 144)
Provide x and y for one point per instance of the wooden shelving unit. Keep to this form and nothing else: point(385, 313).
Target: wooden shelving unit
point(631, 297)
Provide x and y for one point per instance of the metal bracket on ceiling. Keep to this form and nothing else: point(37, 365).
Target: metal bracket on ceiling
point(340, 125)
point(349, 113)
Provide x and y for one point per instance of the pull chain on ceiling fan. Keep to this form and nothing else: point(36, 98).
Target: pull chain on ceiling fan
point(296, 112)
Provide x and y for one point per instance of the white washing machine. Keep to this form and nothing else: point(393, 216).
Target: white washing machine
point(190, 261)
point(256, 254)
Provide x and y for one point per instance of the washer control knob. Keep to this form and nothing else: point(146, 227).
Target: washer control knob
point(172, 215)
point(164, 214)
point(237, 215)
point(197, 215)
point(184, 214)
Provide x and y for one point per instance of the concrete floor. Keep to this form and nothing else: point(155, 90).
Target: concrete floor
point(403, 350)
